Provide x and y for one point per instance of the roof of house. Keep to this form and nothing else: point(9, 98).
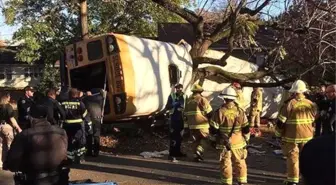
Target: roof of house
point(7, 55)
point(174, 32)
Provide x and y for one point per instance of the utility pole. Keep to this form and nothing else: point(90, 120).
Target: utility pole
point(84, 19)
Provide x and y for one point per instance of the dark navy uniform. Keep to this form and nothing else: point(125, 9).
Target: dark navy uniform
point(176, 104)
point(77, 124)
point(56, 113)
point(24, 105)
point(94, 106)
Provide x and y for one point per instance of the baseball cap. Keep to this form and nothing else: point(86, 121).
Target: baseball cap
point(29, 88)
point(178, 86)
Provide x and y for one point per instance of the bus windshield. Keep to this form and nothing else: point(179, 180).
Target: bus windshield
point(88, 77)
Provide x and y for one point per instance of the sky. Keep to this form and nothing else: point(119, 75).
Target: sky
point(6, 32)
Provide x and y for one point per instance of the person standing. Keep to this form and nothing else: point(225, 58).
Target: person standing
point(94, 103)
point(240, 96)
point(327, 118)
point(55, 113)
point(77, 124)
point(256, 108)
point(295, 128)
point(230, 128)
point(175, 105)
point(198, 112)
point(7, 123)
point(24, 105)
point(39, 151)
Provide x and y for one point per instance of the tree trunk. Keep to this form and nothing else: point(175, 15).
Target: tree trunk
point(84, 19)
point(198, 50)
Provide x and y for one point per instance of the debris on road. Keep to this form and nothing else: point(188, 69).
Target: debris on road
point(256, 152)
point(154, 154)
point(277, 152)
point(255, 146)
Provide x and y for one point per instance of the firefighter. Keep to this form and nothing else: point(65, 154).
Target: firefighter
point(175, 105)
point(77, 124)
point(255, 109)
point(24, 105)
point(240, 96)
point(198, 113)
point(39, 152)
point(295, 128)
point(230, 128)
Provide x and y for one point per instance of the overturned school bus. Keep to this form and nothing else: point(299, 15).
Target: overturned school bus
point(138, 74)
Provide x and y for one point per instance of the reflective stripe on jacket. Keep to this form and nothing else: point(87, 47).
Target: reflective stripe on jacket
point(224, 119)
point(76, 112)
point(197, 107)
point(297, 117)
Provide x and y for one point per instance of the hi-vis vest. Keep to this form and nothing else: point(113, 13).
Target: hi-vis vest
point(197, 107)
point(223, 120)
point(297, 119)
point(175, 98)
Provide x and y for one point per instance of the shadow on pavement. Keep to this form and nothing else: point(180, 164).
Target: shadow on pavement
point(206, 173)
point(145, 175)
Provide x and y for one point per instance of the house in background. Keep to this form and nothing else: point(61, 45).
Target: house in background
point(15, 75)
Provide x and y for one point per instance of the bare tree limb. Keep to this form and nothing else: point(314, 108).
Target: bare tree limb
point(246, 10)
point(189, 16)
point(330, 10)
point(275, 26)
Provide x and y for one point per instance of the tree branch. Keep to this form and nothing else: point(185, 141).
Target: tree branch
point(246, 10)
point(220, 76)
point(206, 60)
point(230, 40)
point(321, 8)
point(275, 26)
point(189, 16)
point(223, 76)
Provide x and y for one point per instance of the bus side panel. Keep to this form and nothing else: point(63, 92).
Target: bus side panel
point(150, 60)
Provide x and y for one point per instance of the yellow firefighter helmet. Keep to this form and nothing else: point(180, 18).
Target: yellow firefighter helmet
point(298, 86)
point(196, 88)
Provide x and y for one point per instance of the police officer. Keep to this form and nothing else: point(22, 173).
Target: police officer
point(39, 151)
point(175, 105)
point(24, 105)
point(77, 124)
point(56, 113)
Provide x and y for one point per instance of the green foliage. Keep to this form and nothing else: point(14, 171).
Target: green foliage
point(50, 78)
point(48, 25)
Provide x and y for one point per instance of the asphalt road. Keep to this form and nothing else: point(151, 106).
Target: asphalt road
point(131, 169)
point(266, 169)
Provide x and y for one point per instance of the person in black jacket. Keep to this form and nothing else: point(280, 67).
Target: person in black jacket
point(24, 105)
point(56, 113)
point(317, 161)
point(39, 151)
point(325, 123)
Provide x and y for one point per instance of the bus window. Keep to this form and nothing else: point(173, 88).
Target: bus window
point(174, 74)
point(95, 50)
